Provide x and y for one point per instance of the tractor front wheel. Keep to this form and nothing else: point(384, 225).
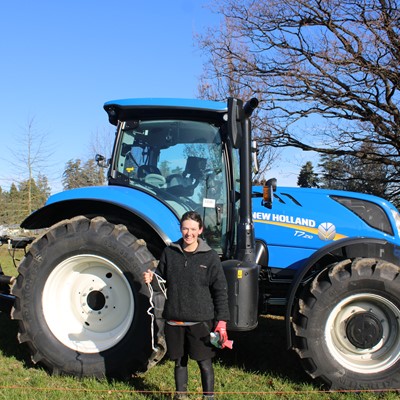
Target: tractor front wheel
point(347, 325)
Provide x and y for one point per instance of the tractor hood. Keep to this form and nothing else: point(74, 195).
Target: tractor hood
point(303, 220)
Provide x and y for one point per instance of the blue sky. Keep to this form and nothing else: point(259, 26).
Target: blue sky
point(61, 60)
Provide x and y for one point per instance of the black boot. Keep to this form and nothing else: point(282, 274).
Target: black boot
point(181, 378)
point(207, 378)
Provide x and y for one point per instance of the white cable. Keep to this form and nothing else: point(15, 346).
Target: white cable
point(161, 283)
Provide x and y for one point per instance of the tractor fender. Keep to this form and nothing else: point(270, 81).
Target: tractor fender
point(117, 204)
point(342, 249)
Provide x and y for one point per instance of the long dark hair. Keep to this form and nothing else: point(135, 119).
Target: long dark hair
point(193, 215)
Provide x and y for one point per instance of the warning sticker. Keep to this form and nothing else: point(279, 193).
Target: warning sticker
point(209, 203)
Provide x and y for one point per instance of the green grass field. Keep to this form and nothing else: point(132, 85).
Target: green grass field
point(259, 367)
point(6, 261)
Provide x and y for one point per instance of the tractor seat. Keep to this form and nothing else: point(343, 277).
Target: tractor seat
point(151, 175)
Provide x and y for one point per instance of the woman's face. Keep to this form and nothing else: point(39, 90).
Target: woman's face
point(190, 232)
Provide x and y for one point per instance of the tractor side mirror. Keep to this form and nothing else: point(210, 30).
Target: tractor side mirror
point(102, 161)
point(235, 110)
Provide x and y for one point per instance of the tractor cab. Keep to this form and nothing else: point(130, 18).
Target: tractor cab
point(183, 160)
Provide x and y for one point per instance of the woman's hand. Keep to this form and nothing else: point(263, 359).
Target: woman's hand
point(223, 335)
point(148, 276)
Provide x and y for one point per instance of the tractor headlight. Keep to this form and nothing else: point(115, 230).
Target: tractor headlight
point(371, 213)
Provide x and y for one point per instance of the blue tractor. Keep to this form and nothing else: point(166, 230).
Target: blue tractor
point(326, 260)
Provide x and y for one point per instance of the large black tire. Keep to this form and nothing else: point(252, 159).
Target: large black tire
point(80, 300)
point(347, 325)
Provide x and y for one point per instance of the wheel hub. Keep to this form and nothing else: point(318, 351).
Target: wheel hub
point(364, 330)
point(96, 300)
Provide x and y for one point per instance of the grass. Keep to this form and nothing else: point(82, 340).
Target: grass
point(259, 367)
point(6, 261)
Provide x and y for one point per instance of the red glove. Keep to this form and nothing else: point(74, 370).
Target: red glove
point(221, 330)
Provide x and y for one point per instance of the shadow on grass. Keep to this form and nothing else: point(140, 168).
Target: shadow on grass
point(9, 345)
point(150, 391)
point(264, 350)
point(260, 351)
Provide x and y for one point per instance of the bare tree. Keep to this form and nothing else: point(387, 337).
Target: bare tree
point(31, 159)
point(327, 72)
point(101, 142)
point(220, 80)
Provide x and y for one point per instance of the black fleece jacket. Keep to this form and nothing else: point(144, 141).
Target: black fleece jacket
point(196, 284)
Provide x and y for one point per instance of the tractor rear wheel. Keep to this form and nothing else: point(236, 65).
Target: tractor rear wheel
point(80, 300)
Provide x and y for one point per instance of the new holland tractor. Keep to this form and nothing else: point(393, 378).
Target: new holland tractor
point(326, 260)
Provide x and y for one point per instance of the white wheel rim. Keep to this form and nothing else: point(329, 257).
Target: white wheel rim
point(372, 360)
point(88, 303)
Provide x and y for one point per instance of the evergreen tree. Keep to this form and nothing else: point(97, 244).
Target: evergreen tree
point(333, 175)
point(93, 175)
point(307, 177)
point(19, 202)
point(77, 174)
point(44, 191)
point(72, 176)
point(27, 193)
point(356, 174)
point(13, 206)
point(2, 207)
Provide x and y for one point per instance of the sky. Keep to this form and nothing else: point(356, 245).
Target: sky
point(62, 60)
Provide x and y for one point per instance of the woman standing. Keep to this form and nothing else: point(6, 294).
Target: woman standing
point(197, 303)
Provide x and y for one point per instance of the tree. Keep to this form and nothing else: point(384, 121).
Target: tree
point(101, 142)
point(334, 63)
point(44, 190)
point(72, 175)
point(307, 177)
point(93, 175)
point(2, 207)
point(31, 157)
point(11, 207)
point(15, 205)
point(359, 175)
point(78, 175)
point(333, 175)
point(33, 193)
point(214, 85)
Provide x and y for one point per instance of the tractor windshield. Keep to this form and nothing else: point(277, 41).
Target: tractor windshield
point(181, 163)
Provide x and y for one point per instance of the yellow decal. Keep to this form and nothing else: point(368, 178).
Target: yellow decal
point(298, 227)
point(240, 274)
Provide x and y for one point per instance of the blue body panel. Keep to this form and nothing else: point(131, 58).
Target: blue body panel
point(138, 202)
point(295, 229)
point(291, 230)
